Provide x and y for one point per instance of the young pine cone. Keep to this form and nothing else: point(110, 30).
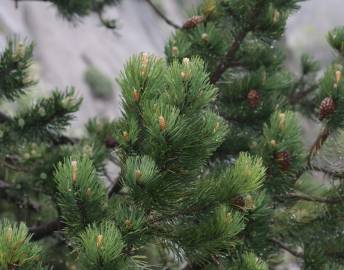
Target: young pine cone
point(253, 98)
point(193, 22)
point(327, 107)
point(283, 160)
point(110, 142)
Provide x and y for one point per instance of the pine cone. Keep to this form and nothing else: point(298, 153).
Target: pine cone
point(283, 160)
point(239, 201)
point(110, 142)
point(253, 98)
point(327, 107)
point(193, 22)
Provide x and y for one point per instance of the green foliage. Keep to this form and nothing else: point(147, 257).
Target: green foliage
point(101, 247)
point(281, 135)
point(249, 261)
point(48, 117)
point(82, 196)
point(100, 85)
point(72, 9)
point(16, 250)
point(15, 62)
point(335, 38)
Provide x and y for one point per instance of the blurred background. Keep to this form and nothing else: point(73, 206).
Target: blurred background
point(90, 57)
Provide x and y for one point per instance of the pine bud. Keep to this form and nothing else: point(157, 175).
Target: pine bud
point(276, 16)
point(249, 202)
point(338, 76)
point(205, 37)
point(282, 120)
point(136, 95)
point(217, 126)
point(209, 7)
point(21, 122)
point(128, 224)
point(144, 59)
point(144, 63)
point(186, 61)
point(99, 240)
point(126, 136)
point(193, 22)
point(74, 164)
point(162, 123)
point(264, 77)
point(138, 174)
point(9, 234)
point(88, 192)
point(273, 143)
point(175, 51)
point(19, 51)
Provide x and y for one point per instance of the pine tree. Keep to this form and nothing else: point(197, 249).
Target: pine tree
point(214, 171)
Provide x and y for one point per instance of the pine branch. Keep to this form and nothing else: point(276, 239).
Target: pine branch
point(285, 247)
point(320, 140)
point(46, 229)
point(297, 97)
point(162, 15)
point(56, 140)
point(226, 62)
point(314, 199)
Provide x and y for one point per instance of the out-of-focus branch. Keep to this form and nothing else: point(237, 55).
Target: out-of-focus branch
point(285, 247)
point(162, 15)
point(46, 229)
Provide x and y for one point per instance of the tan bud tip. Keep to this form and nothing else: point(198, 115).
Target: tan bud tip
point(126, 136)
point(128, 224)
point(338, 76)
point(74, 164)
point(136, 95)
point(276, 16)
point(282, 120)
point(205, 37)
point(9, 233)
point(138, 174)
point(186, 61)
point(162, 123)
point(99, 240)
point(175, 51)
point(144, 59)
point(273, 143)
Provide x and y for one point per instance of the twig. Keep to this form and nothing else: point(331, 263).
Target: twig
point(225, 63)
point(285, 247)
point(327, 172)
point(162, 15)
point(46, 229)
point(297, 97)
point(320, 140)
point(314, 199)
point(116, 188)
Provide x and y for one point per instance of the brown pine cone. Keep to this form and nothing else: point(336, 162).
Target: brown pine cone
point(283, 160)
point(110, 142)
point(253, 98)
point(193, 22)
point(327, 107)
point(239, 201)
